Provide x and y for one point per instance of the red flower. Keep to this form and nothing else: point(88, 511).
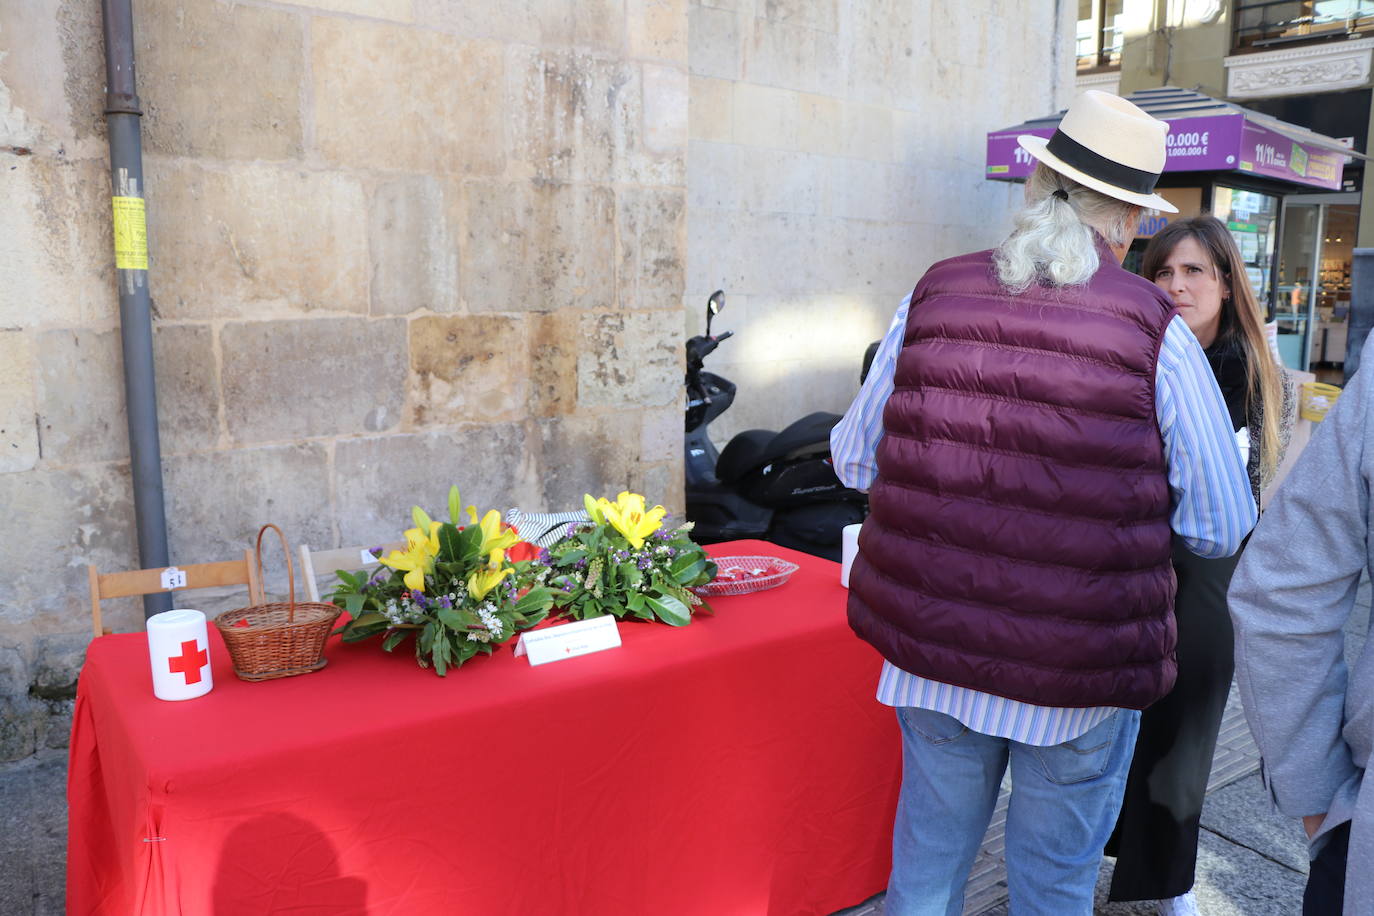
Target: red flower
point(521, 551)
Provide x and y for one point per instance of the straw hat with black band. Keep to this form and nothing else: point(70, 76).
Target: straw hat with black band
point(1107, 144)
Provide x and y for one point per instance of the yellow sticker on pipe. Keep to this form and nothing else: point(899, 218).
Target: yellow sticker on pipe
point(130, 233)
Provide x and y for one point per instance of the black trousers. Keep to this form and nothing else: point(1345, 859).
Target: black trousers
point(1325, 893)
point(1155, 840)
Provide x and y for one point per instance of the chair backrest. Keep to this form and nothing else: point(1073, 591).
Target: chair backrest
point(329, 561)
point(242, 571)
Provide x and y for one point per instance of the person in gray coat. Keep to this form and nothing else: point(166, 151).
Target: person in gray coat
point(1312, 717)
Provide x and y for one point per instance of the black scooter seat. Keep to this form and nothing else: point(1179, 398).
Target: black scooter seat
point(755, 448)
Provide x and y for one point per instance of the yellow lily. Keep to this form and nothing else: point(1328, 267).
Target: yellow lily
point(495, 536)
point(417, 560)
point(593, 507)
point(628, 517)
point(484, 578)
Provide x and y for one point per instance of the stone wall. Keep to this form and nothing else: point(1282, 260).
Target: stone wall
point(403, 243)
point(836, 151)
point(395, 244)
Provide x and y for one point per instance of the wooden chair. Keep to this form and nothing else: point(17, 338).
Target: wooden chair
point(328, 561)
point(149, 581)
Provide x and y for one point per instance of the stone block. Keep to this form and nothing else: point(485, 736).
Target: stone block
point(56, 257)
point(593, 24)
point(467, 369)
point(820, 125)
point(379, 479)
point(666, 92)
point(714, 40)
point(55, 522)
point(710, 108)
point(395, 98)
point(394, 10)
point(414, 255)
point(780, 53)
point(661, 484)
point(1244, 814)
point(81, 393)
point(780, 181)
point(554, 342)
point(81, 397)
point(658, 29)
point(587, 454)
point(217, 501)
point(714, 179)
point(660, 434)
point(58, 658)
point(256, 240)
point(220, 80)
point(822, 15)
point(21, 727)
point(765, 116)
point(881, 50)
point(630, 359)
point(19, 408)
point(187, 388)
point(862, 189)
point(289, 380)
point(867, 132)
point(578, 117)
point(653, 250)
point(538, 247)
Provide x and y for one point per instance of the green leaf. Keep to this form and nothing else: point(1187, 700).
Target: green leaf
point(669, 609)
point(451, 619)
point(454, 505)
point(394, 638)
point(685, 563)
point(635, 602)
point(534, 601)
point(450, 544)
point(353, 603)
point(355, 582)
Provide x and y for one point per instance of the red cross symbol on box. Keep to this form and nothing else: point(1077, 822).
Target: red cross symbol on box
point(189, 662)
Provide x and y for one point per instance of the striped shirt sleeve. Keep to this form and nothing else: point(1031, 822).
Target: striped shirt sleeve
point(1212, 508)
point(854, 440)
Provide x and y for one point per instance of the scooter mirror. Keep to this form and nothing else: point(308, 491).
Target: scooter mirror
point(713, 307)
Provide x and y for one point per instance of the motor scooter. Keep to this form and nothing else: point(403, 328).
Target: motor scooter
point(777, 486)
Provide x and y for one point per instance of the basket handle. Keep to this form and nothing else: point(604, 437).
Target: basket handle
point(290, 570)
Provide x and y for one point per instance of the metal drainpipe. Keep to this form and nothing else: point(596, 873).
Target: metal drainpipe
point(135, 306)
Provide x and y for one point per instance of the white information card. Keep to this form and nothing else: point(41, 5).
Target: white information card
point(569, 640)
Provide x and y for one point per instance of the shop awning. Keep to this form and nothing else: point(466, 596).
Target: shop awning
point(1205, 135)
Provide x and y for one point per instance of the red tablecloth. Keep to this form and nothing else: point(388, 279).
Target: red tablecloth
point(736, 766)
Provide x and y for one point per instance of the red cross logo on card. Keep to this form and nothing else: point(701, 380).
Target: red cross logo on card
point(189, 662)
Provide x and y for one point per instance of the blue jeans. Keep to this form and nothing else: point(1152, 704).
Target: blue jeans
point(1064, 801)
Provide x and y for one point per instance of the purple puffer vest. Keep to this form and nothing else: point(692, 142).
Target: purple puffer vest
point(1018, 542)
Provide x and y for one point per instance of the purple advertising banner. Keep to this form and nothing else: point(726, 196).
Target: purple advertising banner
point(1268, 152)
point(1204, 144)
point(1220, 143)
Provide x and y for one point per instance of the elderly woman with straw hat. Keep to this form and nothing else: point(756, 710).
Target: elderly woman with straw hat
point(1037, 425)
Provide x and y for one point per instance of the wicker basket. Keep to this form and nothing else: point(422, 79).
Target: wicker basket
point(269, 641)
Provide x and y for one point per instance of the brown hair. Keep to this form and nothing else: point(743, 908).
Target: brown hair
point(1240, 319)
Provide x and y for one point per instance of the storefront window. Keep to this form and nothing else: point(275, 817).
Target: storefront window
point(1100, 33)
point(1265, 23)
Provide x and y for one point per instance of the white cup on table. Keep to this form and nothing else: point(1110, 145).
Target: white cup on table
point(179, 653)
point(849, 549)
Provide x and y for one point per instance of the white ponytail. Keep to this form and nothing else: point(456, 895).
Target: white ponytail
point(1053, 241)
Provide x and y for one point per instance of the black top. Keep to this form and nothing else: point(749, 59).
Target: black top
point(1227, 359)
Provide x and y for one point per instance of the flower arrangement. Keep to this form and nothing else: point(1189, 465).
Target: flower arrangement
point(461, 589)
point(624, 563)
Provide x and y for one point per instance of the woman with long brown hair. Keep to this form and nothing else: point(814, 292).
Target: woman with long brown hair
point(1197, 263)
